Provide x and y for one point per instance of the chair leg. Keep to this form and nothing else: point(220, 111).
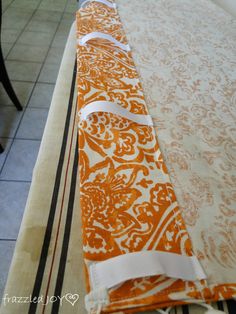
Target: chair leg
point(10, 91)
point(1, 149)
point(7, 85)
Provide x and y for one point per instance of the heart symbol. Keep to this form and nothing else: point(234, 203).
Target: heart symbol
point(72, 298)
point(169, 235)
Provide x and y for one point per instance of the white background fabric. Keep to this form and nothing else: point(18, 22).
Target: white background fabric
point(185, 52)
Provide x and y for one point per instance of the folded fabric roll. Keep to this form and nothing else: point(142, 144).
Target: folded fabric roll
point(137, 250)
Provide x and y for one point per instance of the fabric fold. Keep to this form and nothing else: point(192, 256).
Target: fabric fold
point(121, 268)
point(99, 35)
point(110, 107)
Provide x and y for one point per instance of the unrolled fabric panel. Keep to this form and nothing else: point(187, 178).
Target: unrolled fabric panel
point(185, 53)
point(127, 200)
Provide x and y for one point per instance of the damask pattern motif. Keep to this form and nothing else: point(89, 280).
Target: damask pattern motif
point(125, 188)
point(127, 199)
point(185, 53)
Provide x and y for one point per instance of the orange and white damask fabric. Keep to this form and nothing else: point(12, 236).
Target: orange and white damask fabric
point(127, 200)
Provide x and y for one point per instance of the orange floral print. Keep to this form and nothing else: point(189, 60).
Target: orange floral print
point(127, 200)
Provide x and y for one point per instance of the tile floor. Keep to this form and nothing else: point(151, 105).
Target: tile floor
point(34, 34)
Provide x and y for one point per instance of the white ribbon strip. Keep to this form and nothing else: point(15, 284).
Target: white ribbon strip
point(110, 107)
point(93, 35)
point(105, 2)
point(96, 299)
point(116, 270)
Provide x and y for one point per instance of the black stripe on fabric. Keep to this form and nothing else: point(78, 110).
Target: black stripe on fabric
point(48, 232)
point(231, 304)
point(65, 245)
point(220, 306)
point(185, 309)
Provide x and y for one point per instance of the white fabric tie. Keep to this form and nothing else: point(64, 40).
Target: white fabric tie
point(119, 269)
point(95, 300)
point(93, 35)
point(105, 2)
point(110, 107)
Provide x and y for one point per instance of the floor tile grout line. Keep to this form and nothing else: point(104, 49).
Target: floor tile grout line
point(3, 11)
point(20, 181)
point(42, 64)
point(3, 164)
point(33, 13)
point(22, 61)
point(10, 240)
point(22, 139)
point(20, 81)
point(24, 109)
point(28, 61)
point(50, 46)
point(13, 43)
point(13, 139)
point(29, 107)
point(28, 139)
